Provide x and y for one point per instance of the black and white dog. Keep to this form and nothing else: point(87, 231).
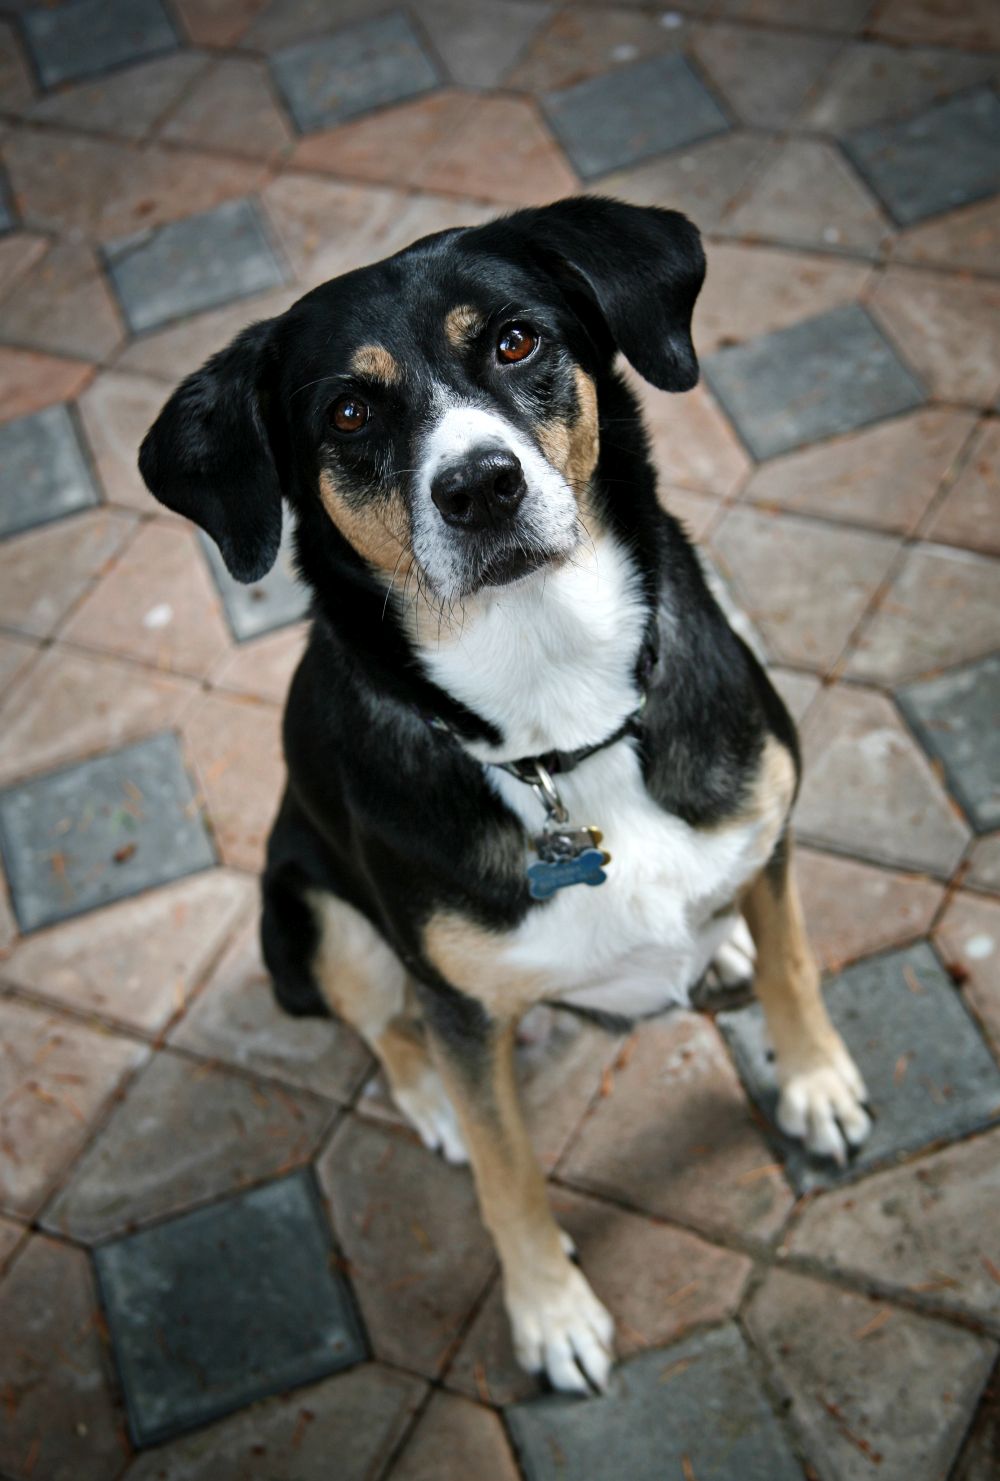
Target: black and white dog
point(513, 653)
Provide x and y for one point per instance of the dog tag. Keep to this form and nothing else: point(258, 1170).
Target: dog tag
point(566, 856)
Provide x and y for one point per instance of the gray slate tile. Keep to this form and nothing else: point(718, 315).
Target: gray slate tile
point(100, 831)
point(957, 719)
point(610, 122)
point(332, 78)
point(699, 1399)
point(191, 265)
point(824, 376)
point(6, 207)
point(945, 157)
point(45, 472)
point(275, 601)
point(927, 1069)
point(68, 42)
point(217, 1308)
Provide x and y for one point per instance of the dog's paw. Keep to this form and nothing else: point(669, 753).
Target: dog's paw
point(560, 1328)
point(735, 961)
point(427, 1106)
point(823, 1104)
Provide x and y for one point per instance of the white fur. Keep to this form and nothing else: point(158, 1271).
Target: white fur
point(547, 516)
point(551, 662)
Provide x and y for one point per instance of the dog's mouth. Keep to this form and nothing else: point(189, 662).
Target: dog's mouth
point(503, 567)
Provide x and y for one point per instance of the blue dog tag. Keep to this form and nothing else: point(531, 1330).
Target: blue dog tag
point(546, 876)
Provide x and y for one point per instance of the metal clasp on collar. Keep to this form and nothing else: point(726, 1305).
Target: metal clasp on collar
point(544, 789)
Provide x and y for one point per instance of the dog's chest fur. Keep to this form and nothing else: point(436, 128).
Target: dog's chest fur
point(551, 662)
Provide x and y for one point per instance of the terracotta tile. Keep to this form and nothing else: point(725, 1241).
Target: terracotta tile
point(139, 961)
point(15, 656)
point(559, 1073)
point(218, 22)
point(16, 87)
point(936, 22)
point(126, 103)
point(418, 1255)
point(984, 864)
point(948, 329)
point(853, 909)
point(969, 238)
point(236, 1020)
point(979, 1454)
point(970, 513)
point(184, 1133)
point(753, 290)
point(11, 1235)
point(76, 705)
point(576, 44)
point(456, 1439)
point(706, 182)
point(846, 16)
point(29, 381)
point(696, 512)
point(174, 352)
point(869, 790)
point(108, 189)
point(263, 668)
point(57, 1077)
point(884, 476)
point(117, 411)
point(63, 306)
point(476, 40)
point(809, 196)
point(942, 608)
point(902, 1392)
point(231, 108)
point(235, 745)
point(158, 605)
point(19, 251)
point(968, 938)
point(797, 690)
point(64, 1424)
point(44, 571)
point(358, 1417)
point(765, 75)
point(658, 1282)
point(676, 1137)
point(804, 584)
point(691, 441)
point(870, 82)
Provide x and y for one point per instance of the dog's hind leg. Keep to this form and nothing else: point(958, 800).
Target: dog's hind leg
point(822, 1094)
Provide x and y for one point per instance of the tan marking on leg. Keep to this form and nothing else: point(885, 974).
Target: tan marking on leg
point(377, 363)
point(769, 800)
point(556, 1320)
point(461, 324)
point(379, 530)
point(472, 959)
point(820, 1083)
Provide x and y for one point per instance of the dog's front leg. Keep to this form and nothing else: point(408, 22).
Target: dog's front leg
point(557, 1322)
point(822, 1094)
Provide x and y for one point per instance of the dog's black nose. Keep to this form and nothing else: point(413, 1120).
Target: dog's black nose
point(484, 489)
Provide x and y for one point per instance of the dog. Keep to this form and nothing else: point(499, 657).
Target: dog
point(529, 761)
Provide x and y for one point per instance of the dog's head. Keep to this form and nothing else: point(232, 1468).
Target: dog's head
point(440, 407)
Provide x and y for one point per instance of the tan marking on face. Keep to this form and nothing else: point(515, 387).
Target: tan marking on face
point(472, 959)
point(461, 324)
point(375, 362)
point(379, 531)
point(571, 446)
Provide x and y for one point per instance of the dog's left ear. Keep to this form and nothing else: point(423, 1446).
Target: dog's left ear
point(208, 455)
point(643, 268)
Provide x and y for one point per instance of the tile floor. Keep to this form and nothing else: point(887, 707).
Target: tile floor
point(221, 1254)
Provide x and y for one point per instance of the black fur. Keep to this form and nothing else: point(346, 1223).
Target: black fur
point(380, 809)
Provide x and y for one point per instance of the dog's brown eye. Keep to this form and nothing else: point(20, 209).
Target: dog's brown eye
point(516, 342)
point(349, 414)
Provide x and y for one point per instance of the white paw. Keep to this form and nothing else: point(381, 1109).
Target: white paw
point(427, 1107)
point(736, 959)
point(823, 1105)
point(561, 1328)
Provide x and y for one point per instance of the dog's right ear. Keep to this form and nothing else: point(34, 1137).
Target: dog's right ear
point(208, 455)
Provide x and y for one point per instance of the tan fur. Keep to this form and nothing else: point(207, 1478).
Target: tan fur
point(461, 324)
point(571, 446)
point(466, 955)
point(375, 362)
point(378, 531)
point(770, 799)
